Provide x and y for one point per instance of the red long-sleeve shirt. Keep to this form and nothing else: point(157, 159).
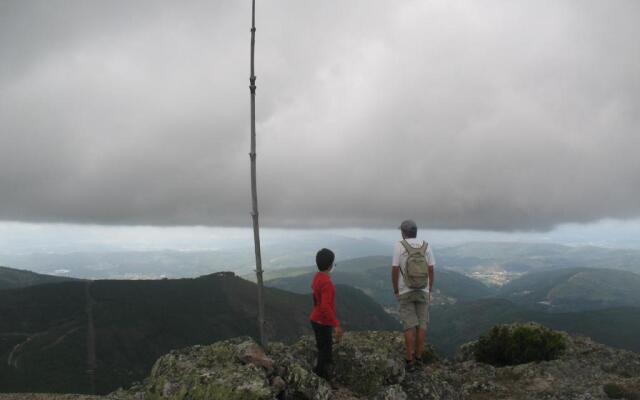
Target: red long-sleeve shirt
point(324, 305)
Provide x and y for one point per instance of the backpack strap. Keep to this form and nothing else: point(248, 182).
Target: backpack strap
point(424, 248)
point(410, 249)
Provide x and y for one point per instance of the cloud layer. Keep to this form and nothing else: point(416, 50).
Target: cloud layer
point(492, 115)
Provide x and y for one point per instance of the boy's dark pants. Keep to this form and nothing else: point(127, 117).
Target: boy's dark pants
point(324, 343)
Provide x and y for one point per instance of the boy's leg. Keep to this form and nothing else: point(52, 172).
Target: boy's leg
point(324, 343)
point(328, 352)
point(316, 332)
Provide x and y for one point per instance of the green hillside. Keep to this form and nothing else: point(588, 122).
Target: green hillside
point(373, 276)
point(453, 325)
point(16, 278)
point(575, 289)
point(81, 337)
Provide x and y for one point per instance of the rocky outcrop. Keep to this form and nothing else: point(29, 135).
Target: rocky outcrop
point(370, 365)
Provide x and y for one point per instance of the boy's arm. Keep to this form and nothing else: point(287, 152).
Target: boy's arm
point(327, 307)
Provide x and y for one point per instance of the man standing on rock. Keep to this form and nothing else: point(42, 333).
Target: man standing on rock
point(323, 317)
point(412, 276)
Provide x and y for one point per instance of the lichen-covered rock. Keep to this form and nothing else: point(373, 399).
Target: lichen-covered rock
point(249, 352)
point(293, 365)
point(466, 352)
point(365, 362)
point(209, 372)
point(393, 392)
point(370, 365)
point(429, 384)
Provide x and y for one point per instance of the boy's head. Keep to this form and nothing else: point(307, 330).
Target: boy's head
point(409, 229)
point(324, 259)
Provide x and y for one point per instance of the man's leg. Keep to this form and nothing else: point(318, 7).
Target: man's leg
point(409, 322)
point(421, 329)
point(420, 342)
point(408, 343)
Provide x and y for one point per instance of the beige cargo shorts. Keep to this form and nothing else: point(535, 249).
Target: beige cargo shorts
point(414, 310)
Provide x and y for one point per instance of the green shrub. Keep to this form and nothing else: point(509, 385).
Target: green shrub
point(615, 391)
point(518, 344)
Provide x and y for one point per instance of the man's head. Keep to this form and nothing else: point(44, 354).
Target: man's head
point(409, 229)
point(324, 259)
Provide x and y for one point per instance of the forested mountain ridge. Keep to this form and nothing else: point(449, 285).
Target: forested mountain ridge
point(87, 336)
point(11, 278)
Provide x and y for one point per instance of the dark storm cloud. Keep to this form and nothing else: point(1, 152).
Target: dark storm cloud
point(485, 115)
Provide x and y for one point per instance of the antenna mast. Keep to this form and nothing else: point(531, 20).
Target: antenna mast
point(254, 190)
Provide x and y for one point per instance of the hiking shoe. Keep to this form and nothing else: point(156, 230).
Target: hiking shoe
point(410, 366)
point(334, 385)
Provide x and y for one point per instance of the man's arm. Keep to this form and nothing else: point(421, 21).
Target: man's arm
point(431, 278)
point(395, 276)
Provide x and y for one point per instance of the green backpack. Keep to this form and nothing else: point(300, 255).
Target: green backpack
point(416, 274)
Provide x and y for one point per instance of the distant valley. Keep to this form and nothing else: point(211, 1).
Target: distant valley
point(94, 335)
point(499, 263)
point(600, 303)
point(493, 263)
point(158, 264)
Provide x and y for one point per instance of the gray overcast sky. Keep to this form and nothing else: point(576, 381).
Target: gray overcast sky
point(498, 115)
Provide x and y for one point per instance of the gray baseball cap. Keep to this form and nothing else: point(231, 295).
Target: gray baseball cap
point(408, 225)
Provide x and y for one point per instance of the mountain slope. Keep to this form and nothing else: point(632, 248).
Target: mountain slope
point(11, 278)
point(452, 325)
point(373, 276)
point(83, 337)
point(575, 289)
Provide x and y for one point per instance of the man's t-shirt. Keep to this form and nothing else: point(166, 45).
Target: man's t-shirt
point(400, 256)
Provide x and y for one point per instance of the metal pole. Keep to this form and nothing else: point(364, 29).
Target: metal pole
point(254, 190)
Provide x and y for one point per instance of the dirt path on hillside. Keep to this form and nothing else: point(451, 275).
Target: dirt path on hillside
point(91, 338)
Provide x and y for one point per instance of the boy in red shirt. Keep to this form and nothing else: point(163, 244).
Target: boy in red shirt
point(323, 317)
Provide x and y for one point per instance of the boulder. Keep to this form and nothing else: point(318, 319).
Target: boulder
point(249, 352)
point(366, 362)
point(209, 372)
point(293, 366)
